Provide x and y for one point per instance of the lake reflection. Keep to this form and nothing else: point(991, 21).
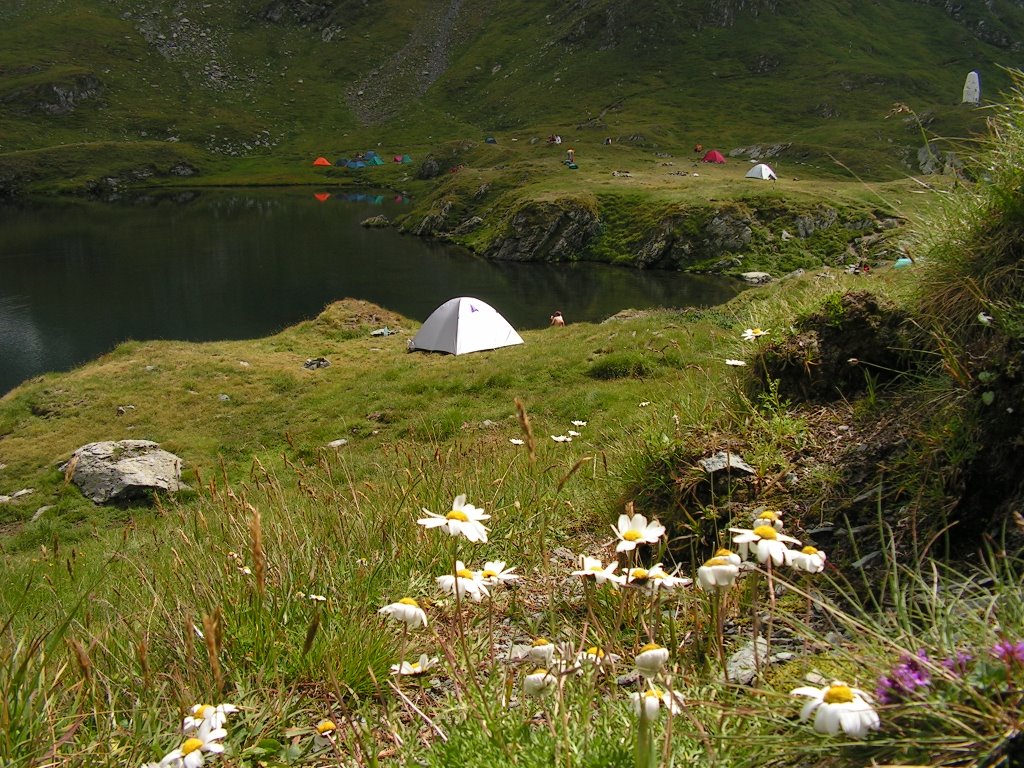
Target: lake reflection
point(77, 278)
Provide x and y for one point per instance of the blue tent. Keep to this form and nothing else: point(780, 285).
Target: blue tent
point(355, 164)
point(370, 154)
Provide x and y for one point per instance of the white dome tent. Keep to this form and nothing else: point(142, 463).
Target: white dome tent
point(762, 171)
point(463, 325)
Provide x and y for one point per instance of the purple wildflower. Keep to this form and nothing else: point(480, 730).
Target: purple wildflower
point(957, 665)
point(1009, 653)
point(906, 677)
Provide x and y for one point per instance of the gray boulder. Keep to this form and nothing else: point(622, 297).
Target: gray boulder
point(123, 469)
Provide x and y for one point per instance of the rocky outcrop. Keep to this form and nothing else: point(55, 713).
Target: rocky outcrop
point(547, 231)
point(114, 471)
point(58, 97)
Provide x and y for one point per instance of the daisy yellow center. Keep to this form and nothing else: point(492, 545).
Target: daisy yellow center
point(809, 550)
point(651, 647)
point(632, 535)
point(653, 694)
point(201, 710)
point(596, 568)
point(415, 666)
point(756, 331)
point(765, 532)
point(190, 746)
point(541, 641)
point(539, 671)
point(838, 694)
point(723, 553)
point(464, 573)
point(768, 515)
point(638, 573)
point(716, 561)
point(595, 651)
point(409, 601)
point(488, 574)
point(456, 514)
point(325, 726)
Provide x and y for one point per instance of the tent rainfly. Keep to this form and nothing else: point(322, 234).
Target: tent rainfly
point(714, 156)
point(462, 325)
point(321, 161)
point(762, 171)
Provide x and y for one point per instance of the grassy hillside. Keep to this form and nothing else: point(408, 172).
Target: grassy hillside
point(284, 81)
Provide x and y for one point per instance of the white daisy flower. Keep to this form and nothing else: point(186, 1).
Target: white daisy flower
point(644, 403)
point(463, 520)
point(838, 707)
point(769, 517)
point(464, 581)
point(653, 700)
point(660, 579)
point(406, 610)
point(768, 543)
point(636, 530)
point(212, 716)
point(753, 333)
point(415, 669)
point(596, 657)
point(495, 573)
point(809, 559)
point(541, 651)
point(720, 571)
point(325, 733)
point(516, 441)
point(592, 569)
point(985, 318)
point(651, 660)
point(190, 753)
point(317, 598)
point(561, 438)
point(539, 681)
point(578, 423)
point(573, 433)
point(735, 363)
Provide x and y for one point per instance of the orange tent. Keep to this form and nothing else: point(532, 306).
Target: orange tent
point(321, 161)
point(323, 197)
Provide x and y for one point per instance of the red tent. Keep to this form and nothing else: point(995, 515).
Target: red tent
point(714, 156)
point(321, 161)
point(323, 197)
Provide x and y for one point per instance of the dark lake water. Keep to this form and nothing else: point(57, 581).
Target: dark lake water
point(77, 278)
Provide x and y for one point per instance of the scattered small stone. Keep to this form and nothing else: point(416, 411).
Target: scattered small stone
point(243, 363)
point(725, 460)
point(41, 511)
point(150, 367)
point(487, 424)
point(385, 331)
point(337, 443)
point(316, 362)
point(741, 666)
point(756, 278)
point(223, 398)
point(123, 409)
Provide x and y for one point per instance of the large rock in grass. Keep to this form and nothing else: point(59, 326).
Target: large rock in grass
point(123, 469)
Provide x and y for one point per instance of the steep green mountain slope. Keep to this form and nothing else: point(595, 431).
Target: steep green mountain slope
point(256, 86)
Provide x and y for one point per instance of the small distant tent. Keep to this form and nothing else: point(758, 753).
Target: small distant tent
point(972, 89)
point(490, 140)
point(762, 171)
point(355, 164)
point(406, 159)
point(396, 159)
point(370, 154)
point(375, 160)
point(341, 162)
point(714, 156)
point(321, 161)
point(323, 197)
point(463, 325)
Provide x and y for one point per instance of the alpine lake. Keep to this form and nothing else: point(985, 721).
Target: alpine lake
point(79, 277)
